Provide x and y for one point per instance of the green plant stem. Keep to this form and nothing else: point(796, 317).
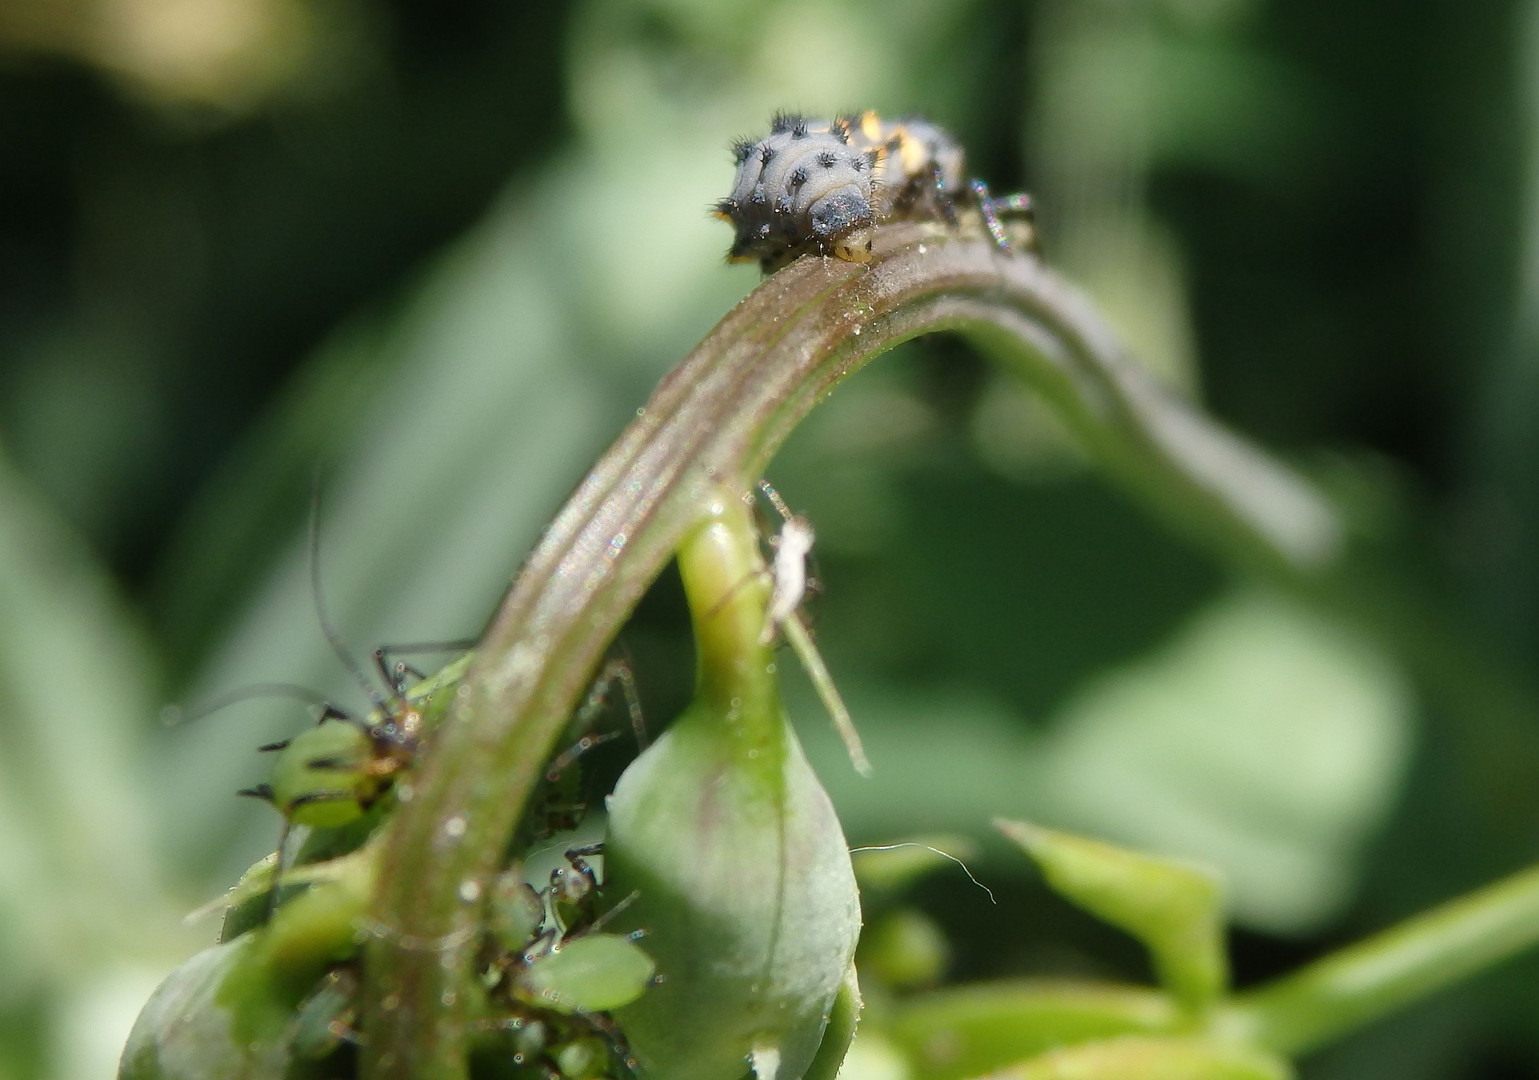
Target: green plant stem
point(723, 580)
point(1364, 981)
point(713, 423)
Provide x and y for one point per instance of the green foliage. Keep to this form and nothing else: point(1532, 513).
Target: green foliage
point(446, 253)
point(1176, 909)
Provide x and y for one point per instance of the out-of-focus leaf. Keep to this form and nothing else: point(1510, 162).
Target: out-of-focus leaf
point(965, 1032)
point(1263, 739)
point(1176, 909)
point(83, 915)
point(903, 949)
point(1266, 740)
point(1150, 1059)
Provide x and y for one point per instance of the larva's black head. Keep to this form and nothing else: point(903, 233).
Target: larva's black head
point(839, 212)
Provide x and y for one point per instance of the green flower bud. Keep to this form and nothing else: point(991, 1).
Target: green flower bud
point(729, 845)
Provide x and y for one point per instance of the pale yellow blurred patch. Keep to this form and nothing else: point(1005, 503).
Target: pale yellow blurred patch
point(228, 54)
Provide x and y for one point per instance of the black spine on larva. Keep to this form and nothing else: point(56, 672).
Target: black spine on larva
point(741, 149)
point(784, 122)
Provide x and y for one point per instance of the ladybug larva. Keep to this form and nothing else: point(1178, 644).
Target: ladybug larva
point(822, 186)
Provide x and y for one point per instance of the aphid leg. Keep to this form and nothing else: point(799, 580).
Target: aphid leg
point(277, 881)
point(941, 195)
point(613, 1037)
point(1019, 208)
point(616, 670)
point(394, 674)
point(564, 760)
point(395, 670)
point(996, 212)
point(727, 596)
point(990, 216)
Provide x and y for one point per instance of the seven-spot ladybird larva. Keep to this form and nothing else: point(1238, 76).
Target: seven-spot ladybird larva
point(822, 186)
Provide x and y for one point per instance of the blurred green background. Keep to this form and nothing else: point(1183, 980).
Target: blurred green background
point(442, 251)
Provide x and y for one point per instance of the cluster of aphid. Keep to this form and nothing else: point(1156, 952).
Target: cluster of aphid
point(824, 186)
point(549, 972)
point(550, 975)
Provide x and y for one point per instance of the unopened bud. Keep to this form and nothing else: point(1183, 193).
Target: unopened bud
point(729, 845)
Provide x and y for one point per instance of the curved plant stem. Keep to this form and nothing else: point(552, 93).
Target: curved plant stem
point(713, 422)
point(1364, 981)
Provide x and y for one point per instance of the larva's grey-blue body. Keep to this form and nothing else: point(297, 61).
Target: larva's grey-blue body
point(802, 187)
point(820, 186)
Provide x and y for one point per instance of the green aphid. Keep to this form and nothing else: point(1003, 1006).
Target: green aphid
point(330, 775)
point(515, 911)
point(582, 1059)
point(553, 976)
point(592, 973)
point(324, 1020)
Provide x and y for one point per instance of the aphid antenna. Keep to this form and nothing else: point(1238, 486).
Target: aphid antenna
point(176, 716)
point(328, 628)
point(933, 851)
point(775, 499)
